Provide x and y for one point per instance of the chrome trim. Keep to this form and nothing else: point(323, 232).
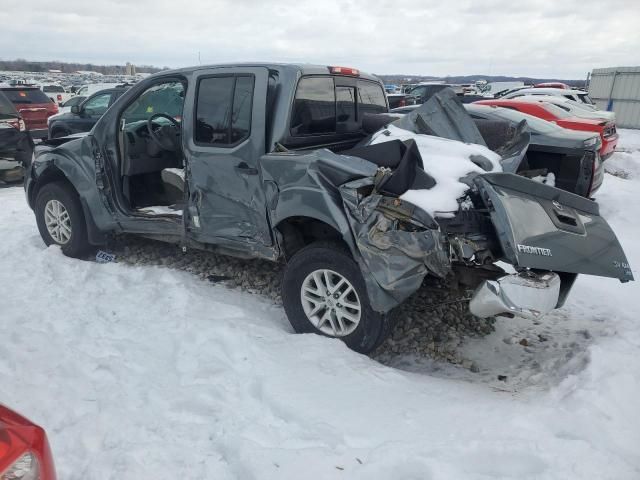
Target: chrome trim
point(526, 295)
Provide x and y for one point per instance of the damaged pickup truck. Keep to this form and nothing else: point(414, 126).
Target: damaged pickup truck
point(296, 163)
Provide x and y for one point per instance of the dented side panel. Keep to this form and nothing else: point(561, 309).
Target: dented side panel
point(394, 247)
point(395, 252)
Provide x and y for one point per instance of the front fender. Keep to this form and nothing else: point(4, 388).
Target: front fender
point(73, 161)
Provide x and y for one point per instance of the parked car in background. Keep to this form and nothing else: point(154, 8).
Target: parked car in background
point(82, 117)
point(24, 449)
point(91, 88)
point(422, 93)
point(552, 85)
point(391, 88)
point(555, 114)
point(578, 109)
point(575, 95)
point(66, 106)
point(571, 156)
point(34, 107)
point(400, 100)
point(56, 93)
point(16, 146)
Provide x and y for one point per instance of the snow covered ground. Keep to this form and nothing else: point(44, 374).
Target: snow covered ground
point(148, 372)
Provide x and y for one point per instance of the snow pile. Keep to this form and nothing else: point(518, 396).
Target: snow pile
point(447, 161)
point(629, 140)
point(626, 162)
point(146, 372)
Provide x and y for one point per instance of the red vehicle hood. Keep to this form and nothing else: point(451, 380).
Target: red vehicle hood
point(579, 123)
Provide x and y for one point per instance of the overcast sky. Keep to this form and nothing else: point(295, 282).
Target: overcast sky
point(429, 37)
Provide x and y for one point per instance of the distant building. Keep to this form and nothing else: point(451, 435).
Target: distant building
point(617, 90)
point(130, 69)
point(54, 71)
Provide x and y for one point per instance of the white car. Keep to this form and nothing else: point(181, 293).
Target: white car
point(577, 109)
point(56, 93)
point(91, 88)
point(575, 95)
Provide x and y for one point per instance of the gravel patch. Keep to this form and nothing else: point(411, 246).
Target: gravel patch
point(432, 323)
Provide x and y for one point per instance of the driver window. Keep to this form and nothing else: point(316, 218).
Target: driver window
point(97, 105)
point(167, 98)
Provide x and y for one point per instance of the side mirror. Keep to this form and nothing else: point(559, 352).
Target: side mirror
point(75, 109)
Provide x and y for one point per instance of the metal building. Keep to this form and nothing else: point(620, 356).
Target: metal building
point(618, 89)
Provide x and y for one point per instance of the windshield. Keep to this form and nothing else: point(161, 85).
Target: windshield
point(585, 98)
point(26, 96)
point(77, 100)
point(557, 111)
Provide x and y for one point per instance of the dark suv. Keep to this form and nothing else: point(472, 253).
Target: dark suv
point(16, 146)
point(84, 116)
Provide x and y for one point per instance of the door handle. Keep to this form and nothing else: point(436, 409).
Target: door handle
point(245, 169)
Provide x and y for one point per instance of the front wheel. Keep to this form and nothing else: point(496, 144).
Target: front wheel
point(323, 292)
point(61, 220)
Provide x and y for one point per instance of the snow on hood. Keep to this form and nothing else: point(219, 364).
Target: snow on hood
point(447, 161)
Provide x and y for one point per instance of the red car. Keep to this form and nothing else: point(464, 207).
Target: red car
point(557, 115)
point(34, 106)
point(24, 449)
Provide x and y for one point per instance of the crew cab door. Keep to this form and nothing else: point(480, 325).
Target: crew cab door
point(224, 137)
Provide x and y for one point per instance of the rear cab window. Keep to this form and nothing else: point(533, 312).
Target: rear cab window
point(26, 96)
point(325, 105)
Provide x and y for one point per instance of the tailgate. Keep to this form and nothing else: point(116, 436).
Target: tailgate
point(545, 228)
point(34, 117)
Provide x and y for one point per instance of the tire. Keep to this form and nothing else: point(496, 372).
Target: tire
point(72, 238)
point(362, 336)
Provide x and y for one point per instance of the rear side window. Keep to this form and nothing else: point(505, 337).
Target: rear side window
point(314, 108)
point(6, 107)
point(26, 96)
point(371, 98)
point(223, 110)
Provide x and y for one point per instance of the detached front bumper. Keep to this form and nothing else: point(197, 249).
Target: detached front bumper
point(526, 295)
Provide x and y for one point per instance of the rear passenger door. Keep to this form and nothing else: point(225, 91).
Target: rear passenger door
point(224, 137)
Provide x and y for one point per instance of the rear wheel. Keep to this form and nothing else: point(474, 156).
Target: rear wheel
point(323, 292)
point(61, 220)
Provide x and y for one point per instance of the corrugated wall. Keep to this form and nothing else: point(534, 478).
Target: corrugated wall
point(618, 90)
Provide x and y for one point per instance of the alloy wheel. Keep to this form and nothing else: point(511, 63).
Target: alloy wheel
point(331, 303)
point(58, 221)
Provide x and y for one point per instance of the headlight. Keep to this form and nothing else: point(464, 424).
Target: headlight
point(591, 142)
point(25, 468)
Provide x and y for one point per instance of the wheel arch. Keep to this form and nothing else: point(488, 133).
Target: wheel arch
point(52, 173)
point(298, 231)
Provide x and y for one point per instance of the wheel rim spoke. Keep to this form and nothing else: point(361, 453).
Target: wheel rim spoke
point(330, 302)
point(58, 221)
